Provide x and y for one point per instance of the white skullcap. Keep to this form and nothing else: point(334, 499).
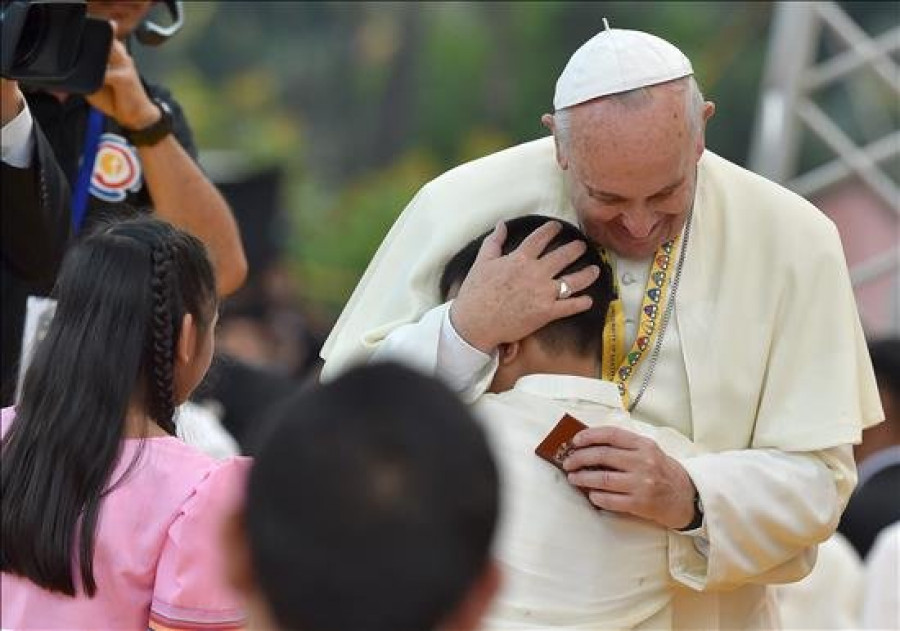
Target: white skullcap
point(618, 60)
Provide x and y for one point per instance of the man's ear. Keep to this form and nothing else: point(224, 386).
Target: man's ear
point(709, 110)
point(508, 352)
point(561, 158)
point(467, 616)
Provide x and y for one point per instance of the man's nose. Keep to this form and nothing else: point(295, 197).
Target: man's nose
point(639, 222)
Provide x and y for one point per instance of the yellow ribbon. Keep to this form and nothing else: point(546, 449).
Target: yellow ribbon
point(617, 365)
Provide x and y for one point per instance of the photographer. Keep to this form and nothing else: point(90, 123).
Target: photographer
point(145, 158)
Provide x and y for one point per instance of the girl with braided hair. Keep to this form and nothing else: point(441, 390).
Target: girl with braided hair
point(108, 520)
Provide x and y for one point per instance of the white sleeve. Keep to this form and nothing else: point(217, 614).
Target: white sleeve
point(17, 140)
point(765, 511)
point(881, 597)
point(433, 346)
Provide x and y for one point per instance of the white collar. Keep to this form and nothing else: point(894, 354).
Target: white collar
point(571, 388)
point(875, 463)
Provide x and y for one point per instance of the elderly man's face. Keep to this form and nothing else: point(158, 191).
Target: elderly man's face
point(632, 171)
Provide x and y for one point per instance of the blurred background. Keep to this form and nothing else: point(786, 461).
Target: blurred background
point(320, 120)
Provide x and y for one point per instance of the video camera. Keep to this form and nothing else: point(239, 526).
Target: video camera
point(54, 45)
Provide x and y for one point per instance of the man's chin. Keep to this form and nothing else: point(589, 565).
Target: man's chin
point(634, 250)
point(625, 247)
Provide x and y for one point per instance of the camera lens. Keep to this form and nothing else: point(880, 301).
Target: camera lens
point(34, 30)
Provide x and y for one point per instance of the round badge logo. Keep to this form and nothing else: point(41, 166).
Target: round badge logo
point(117, 169)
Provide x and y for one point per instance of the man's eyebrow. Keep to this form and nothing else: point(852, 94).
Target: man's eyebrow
point(671, 187)
point(606, 194)
point(593, 192)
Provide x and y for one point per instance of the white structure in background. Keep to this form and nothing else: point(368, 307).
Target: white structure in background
point(855, 188)
point(831, 596)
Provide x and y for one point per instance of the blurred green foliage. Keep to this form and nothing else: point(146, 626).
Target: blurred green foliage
point(361, 103)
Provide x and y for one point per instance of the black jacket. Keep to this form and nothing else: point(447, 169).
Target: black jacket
point(34, 232)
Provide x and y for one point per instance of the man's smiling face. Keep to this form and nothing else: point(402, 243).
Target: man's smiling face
point(632, 170)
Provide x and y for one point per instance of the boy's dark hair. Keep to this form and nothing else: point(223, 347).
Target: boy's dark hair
point(122, 293)
point(581, 333)
point(371, 505)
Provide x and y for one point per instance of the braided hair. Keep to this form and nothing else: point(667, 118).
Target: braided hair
point(122, 294)
point(161, 401)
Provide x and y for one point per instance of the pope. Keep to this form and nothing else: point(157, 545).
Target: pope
point(735, 322)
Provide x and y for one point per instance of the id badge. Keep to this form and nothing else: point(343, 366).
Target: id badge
point(38, 315)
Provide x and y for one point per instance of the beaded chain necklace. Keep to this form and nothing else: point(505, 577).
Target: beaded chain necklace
point(658, 300)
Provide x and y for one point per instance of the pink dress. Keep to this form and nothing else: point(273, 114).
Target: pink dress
point(158, 558)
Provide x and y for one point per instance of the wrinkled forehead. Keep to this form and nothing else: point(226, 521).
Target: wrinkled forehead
point(631, 156)
point(641, 113)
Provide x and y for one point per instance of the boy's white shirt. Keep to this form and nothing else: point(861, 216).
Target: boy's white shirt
point(564, 563)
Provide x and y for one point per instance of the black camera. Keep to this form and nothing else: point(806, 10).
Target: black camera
point(52, 44)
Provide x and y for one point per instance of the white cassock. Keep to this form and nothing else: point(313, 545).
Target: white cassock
point(764, 364)
point(565, 564)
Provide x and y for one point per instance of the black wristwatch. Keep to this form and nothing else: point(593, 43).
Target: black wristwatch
point(697, 521)
point(155, 132)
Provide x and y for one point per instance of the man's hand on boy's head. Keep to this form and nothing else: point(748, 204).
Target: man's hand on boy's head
point(505, 298)
point(625, 472)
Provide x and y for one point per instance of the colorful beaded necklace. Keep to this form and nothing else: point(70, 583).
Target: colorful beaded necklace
point(656, 308)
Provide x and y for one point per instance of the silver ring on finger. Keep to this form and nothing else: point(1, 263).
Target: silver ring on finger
point(564, 291)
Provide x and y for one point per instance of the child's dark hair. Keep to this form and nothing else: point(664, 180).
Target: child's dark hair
point(581, 333)
point(885, 354)
point(122, 293)
point(371, 505)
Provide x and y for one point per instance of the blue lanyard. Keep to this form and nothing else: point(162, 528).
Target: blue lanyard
point(88, 157)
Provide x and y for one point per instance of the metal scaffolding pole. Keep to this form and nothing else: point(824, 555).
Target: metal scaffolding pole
point(788, 112)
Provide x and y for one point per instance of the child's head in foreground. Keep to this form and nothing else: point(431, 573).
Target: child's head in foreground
point(371, 505)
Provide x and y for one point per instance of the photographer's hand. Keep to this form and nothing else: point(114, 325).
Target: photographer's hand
point(181, 192)
point(11, 100)
point(122, 96)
